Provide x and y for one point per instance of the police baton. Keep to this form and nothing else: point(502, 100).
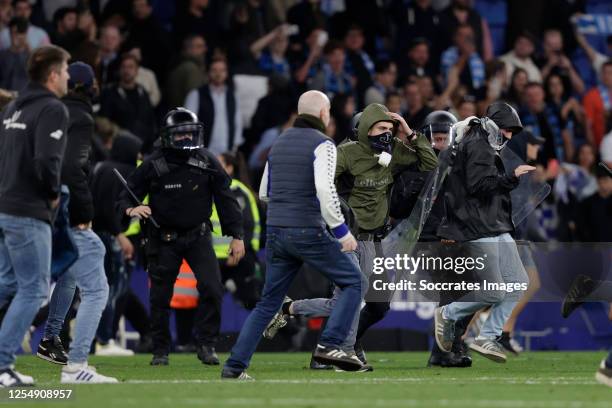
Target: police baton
point(603, 165)
point(129, 190)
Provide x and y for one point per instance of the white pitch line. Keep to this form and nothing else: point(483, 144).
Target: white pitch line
point(374, 402)
point(384, 380)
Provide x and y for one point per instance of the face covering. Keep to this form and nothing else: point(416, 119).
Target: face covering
point(381, 143)
point(495, 137)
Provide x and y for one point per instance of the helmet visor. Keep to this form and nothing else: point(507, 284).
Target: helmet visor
point(440, 135)
point(184, 137)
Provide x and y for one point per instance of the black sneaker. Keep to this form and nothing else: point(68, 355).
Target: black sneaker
point(449, 360)
point(604, 374)
point(360, 353)
point(462, 353)
point(52, 350)
point(278, 321)
point(578, 291)
point(318, 366)
point(228, 374)
point(337, 358)
point(207, 355)
point(506, 342)
point(11, 378)
point(365, 368)
point(160, 360)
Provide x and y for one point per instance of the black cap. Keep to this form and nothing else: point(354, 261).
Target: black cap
point(504, 116)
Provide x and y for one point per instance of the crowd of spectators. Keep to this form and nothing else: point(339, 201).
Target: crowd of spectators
point(417, 56)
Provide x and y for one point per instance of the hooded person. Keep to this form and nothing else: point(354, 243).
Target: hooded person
point(106, 188)
point(364, 176)
point(479, 213)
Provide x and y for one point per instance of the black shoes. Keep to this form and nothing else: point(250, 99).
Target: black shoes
point(279, 320)
point(318, 366)
point(448, 360)
point(578, 291)
point(52, 350)
point(360, 353)
point(509, 344)
point(227, 374)
point(458, 357)
point(160, 360)
point(207, 355)
point(337, 358)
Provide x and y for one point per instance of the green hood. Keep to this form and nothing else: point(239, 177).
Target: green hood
point(373, 113)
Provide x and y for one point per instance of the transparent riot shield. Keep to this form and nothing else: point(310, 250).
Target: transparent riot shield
point(530, 191)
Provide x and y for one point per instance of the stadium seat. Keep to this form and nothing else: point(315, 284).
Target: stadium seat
point(495, 13)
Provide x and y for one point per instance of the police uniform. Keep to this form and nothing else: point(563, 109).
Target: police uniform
point(183, 180)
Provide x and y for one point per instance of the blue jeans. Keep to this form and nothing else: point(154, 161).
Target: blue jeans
point(25, 267)
point(322, 307)
point(503, 264)
point(88, 274)
point(287, 249)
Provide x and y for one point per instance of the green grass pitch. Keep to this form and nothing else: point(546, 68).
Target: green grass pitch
point(538, 379)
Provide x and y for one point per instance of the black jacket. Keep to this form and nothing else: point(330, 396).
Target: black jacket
point(182, 198)
point(130, 110)
point(75, 170)
point(32, 144)
point(477, 192)
point(106, 187)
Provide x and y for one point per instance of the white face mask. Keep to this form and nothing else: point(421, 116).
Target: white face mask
point(496, 138)
point(384, 159)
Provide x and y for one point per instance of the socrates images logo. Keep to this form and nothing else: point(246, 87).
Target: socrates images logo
point(11, 123)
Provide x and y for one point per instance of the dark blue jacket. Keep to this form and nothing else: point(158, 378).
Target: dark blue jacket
point(291, 186)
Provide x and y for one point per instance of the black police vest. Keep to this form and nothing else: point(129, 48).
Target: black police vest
point(180, 194)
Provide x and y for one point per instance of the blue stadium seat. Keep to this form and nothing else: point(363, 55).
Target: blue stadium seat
point(598, 7)
point(495, 13)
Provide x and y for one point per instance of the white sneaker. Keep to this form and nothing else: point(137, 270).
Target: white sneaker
point(11, 378)
point(83, 374)
point(112, 349)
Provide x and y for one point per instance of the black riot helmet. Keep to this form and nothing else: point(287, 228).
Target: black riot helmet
point(437, 124)
point(182, 130)
point(355, 125)
point(505, 117)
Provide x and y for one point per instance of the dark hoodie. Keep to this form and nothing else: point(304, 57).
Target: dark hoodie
point(32, 144)
point(76, 167)
point(363, 182)
point(105, 186)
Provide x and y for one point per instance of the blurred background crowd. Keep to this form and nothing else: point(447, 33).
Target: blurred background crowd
point(240, 65)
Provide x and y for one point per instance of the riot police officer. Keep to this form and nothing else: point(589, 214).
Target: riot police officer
point(182, 180)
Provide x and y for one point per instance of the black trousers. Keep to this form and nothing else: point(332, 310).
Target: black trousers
point(163, 270)
point(248, 286)
point(184, 325)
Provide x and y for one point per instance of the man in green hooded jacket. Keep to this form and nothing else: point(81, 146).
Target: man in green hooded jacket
point(364, 175)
